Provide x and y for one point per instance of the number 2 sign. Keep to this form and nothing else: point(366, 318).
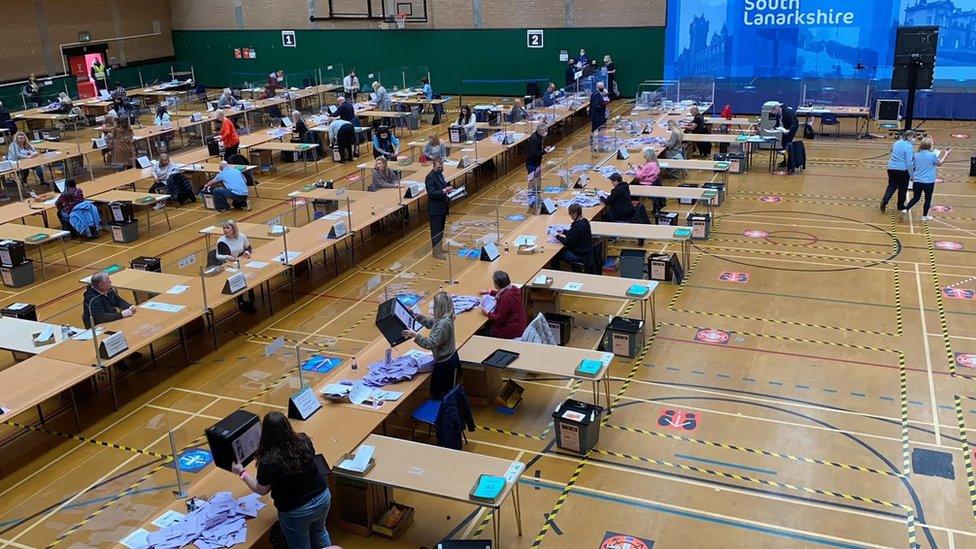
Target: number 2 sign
point(533, 38)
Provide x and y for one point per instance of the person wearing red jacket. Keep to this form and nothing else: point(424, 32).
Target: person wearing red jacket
point(228, 135)
point(508, 320)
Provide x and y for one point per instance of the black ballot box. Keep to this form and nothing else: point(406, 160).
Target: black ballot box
point(23, 311)
point(392, 318)
point(234, 439)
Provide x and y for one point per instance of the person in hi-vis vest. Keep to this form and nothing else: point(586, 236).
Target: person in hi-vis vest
point(99, 74)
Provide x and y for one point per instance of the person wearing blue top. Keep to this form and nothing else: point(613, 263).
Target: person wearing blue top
point(899, 166)
point(923, 174)
point(551, 95)
point(227, 186)
point(342, 135)
point(428, 91)
point(385, 144)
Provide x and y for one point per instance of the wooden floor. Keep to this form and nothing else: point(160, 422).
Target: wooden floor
point(830, 401)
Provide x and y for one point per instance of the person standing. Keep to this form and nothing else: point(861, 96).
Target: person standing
point(99, 73)
point(350, 85)
point(611, 76)
point(440, 342)
point(787, 122)
point(924, 174)
point(345, 110)
point(342, 135)
point(32, 91)
point(438, 205)
point(382, 98)
point(228, 134)
point(598, 107)
point(468, 121)
point(698, 126)
point(571, 75)
point(533, 165)
point(899, 170)
point(296, 477)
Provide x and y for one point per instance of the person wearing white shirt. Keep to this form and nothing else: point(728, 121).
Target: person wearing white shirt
point(467, 120)
point(232, 247)
point(351, 85)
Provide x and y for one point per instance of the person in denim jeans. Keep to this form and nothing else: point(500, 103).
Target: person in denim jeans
point(289, 469)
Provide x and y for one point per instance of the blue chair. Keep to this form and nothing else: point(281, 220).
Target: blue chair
point(427, 413)
point(829, 119)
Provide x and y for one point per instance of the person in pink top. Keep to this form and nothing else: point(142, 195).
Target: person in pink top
point(649, 173)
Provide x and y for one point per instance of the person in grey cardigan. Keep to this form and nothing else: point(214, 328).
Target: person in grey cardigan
point(433, 148)
point(383, 176)
point(383, 101)
point(440, 342)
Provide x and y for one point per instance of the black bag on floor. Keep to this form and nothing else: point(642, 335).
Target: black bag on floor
point(179, 188)
point(808, 132)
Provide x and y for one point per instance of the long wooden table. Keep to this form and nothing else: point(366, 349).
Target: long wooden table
point(641, 231)
point(603, 286)
point(545, 360)
point(135, 197)
point(23, 233)
point(441, 472)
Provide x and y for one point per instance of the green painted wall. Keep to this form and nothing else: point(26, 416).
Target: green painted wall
point(452, 55)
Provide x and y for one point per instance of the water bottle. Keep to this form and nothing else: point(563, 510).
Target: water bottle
point(65, 333)
point(372, 210)
point(506, 246)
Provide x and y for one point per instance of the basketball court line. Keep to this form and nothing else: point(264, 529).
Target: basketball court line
point(763, 495)
point(928, 358)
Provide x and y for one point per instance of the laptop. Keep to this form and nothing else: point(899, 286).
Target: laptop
point(104, 95)
point(287, 122)
point(99, 143)
point(144, 161)
point(500, 358)
point(333, 109)
point(372, 97)
point(59, 183)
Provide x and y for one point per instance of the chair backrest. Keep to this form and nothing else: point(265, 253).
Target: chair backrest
point(829, 119)
point(212, 259)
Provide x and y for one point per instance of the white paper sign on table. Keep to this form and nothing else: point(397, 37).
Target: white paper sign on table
point(178, 289)
point(163, 307)
point(573, 286)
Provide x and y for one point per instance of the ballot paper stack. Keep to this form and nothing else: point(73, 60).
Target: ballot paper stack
point(215, 523)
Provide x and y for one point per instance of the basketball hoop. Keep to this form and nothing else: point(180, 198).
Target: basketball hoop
point(401, 20)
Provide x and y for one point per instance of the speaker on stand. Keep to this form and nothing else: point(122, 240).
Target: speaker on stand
point(914, 63)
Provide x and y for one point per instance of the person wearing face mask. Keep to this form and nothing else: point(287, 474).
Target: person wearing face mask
point(583, 60)
point(598, 107)
point(571, 75)
point(438, 205)
point(533, 164)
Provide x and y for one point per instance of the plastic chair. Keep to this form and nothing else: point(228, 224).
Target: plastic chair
point(828, 119)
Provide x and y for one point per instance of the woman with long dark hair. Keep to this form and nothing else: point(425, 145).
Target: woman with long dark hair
point(296, 477)
point(468, 121)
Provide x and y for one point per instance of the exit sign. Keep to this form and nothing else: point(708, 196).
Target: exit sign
point(84, 37)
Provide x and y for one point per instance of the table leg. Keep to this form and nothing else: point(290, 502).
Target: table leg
point(40, 414)
point(149, 219)
point(496, 526)
point(606, 383)
point(186, 351)
point(74, 408)
point(166, 215)
point(111, 383)
point(518, 509)
point(40, 255)
point(64, 253)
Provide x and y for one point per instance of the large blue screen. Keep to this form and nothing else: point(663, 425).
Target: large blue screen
point(811, 38)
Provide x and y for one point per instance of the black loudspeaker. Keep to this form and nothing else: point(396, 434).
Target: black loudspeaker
point(916, 44)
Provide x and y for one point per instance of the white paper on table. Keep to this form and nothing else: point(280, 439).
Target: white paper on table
point(136, 540)
point(513, 472)
point(525, 240)
point(540, 280)
point(256, 264)
point(335, 390)
point(359, 393)
point(573, 286)
point(163, 307)
point(360, 461)
point(178, 289)
point(210, 229)
point(168, 518)
point(292, 256)
point(87, 335)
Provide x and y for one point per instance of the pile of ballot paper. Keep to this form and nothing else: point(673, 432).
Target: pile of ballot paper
point(218, 522)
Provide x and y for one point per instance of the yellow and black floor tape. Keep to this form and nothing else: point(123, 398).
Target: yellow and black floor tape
point(967, 455)
point(80, 438)
point(737, 448)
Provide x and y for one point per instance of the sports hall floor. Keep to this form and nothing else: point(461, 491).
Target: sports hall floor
point(830, 402)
